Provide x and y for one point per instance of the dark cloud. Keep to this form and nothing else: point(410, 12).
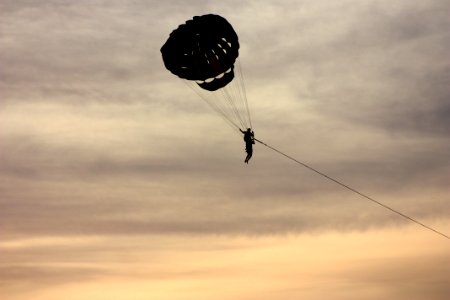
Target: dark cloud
point(379, 64)
point(59, 47)
point(96, 187)
point(360, 95)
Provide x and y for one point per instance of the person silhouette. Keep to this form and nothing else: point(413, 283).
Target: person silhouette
point(249, 138)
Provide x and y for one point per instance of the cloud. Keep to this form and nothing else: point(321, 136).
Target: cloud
point(401, 277)
point(353, 90)
point(59, 48)
point(111, 169)
point(378, 64)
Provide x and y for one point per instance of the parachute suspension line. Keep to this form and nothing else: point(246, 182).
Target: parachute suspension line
point(213, 103)
point(230, 101)
point(204, 95)
point(354, 190)
point(243, 91)
point(235, 94)
point(230, 97)
point(224, 101)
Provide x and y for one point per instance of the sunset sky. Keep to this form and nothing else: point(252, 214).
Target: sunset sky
point(118, 183)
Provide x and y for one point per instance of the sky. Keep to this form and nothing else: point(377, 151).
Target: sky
point(119, 182)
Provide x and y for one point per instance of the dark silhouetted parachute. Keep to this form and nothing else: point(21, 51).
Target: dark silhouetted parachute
point(204, 51)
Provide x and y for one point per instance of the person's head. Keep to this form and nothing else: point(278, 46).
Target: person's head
point(249, 129)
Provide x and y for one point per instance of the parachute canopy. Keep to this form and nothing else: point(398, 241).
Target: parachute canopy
point(204, 52)
point(203, 49)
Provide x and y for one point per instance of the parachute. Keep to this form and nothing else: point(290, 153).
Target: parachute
point(204, 51)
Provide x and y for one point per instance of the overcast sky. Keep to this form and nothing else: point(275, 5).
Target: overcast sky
point(119, 182)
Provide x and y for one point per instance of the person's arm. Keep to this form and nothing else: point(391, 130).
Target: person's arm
point(241, 131)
